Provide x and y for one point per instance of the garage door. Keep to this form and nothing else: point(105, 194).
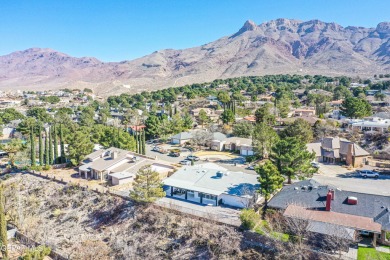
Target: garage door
point(244, 152)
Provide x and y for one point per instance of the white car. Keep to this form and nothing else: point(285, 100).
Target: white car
point(185, 162)
point(315, 164)
point(369, 174)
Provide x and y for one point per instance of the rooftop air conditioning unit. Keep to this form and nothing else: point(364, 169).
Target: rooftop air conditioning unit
point(352, 200)
point(219, 174)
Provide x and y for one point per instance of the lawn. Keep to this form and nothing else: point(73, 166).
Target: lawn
point(367, 253)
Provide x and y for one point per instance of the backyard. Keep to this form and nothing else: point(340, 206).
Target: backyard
point(366, 253)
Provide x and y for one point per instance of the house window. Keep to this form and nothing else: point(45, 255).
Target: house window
point(210, 197)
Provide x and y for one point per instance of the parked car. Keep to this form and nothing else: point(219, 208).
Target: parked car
point(369, 174)
point(185, 162)
point(193, 157)
point(315, 164)
point(174, 154)
point(250, 167)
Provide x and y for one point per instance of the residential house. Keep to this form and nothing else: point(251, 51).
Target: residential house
point(371, 124)
point(304, 112)
point(119, 166)
point(336, 150)
point(181, 138)
point(326, 205)
point(136, 128)
point(218, 141)
point(212, 184)
point(243, 145)
point(250, 118)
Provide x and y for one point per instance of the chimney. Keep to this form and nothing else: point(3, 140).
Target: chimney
point(333, 193)
point(114, 155)
point(328, 201)
point(349, 158)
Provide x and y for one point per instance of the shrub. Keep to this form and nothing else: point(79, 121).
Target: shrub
point(249, 218)
point(37, 253)
point(46, 167)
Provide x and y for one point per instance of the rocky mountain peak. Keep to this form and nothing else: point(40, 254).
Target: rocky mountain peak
point(383, 28)
point(249, 25)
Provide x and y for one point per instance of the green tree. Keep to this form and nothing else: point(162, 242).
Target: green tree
point(40, 144)
point(80, 146)
point(152, 124)
point(187, 122)
point(147, 186)
point(47, 160)
point(270, 180)
point(143, 142)
point(224, 98)
point(32, 145)
point(300, 129)
point(126, 141)
point(12, 148)
point(263, 138)
point(380, 96)
point(263, 114)
point(50, 146)
point(62, 146)
point(9, 114)
point(202, 117)
point(40, 114)
point(243, 129)
point(3, 226)
point(55, 144)
point(227, 116)
point(353, 107)
point(292, 158)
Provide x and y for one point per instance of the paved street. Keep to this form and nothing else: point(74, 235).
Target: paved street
point(344, 179)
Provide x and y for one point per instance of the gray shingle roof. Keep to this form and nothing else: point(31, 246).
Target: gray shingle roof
point(369, 205)
point(183, 136)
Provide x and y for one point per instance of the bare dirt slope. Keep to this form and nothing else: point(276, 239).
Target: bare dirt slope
point(87, 225)
point(278, 46)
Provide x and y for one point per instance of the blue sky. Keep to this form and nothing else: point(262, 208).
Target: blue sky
point(121, 30)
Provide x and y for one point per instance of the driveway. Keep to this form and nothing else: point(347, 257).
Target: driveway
point(341, 177)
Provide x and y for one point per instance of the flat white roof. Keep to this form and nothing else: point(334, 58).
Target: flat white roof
point(122, 175)
point(203, 178)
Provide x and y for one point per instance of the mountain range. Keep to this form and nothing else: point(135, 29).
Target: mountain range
point(276, 47)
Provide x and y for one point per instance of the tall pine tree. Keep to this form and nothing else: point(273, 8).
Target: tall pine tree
point(50, 147)
point(62, 146)
point(47, 162)
point(143, 142)
point(32, 142)
point(55, 144)
point(41, 162)
point(3, 227)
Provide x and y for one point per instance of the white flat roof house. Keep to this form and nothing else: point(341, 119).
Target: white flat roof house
point(370, 124)
point(212, 184)
point(118, 165)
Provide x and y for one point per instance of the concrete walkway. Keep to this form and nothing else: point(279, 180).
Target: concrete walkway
point(383, 249)
point(216, 213)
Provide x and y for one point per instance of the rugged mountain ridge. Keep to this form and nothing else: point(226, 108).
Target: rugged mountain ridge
point(277, 46)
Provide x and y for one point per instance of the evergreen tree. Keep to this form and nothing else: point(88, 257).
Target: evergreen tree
point(40, 143)
point(147, 186)
point(62, 146)
point(55, 144)
point(50, 147)
point(292, 158)
point(80, 146)
point(143, 142)
point(270, 180)
point(32, 142)
point(47, 162)
point(137, 141)
point(263, 138)
point(3, 227)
